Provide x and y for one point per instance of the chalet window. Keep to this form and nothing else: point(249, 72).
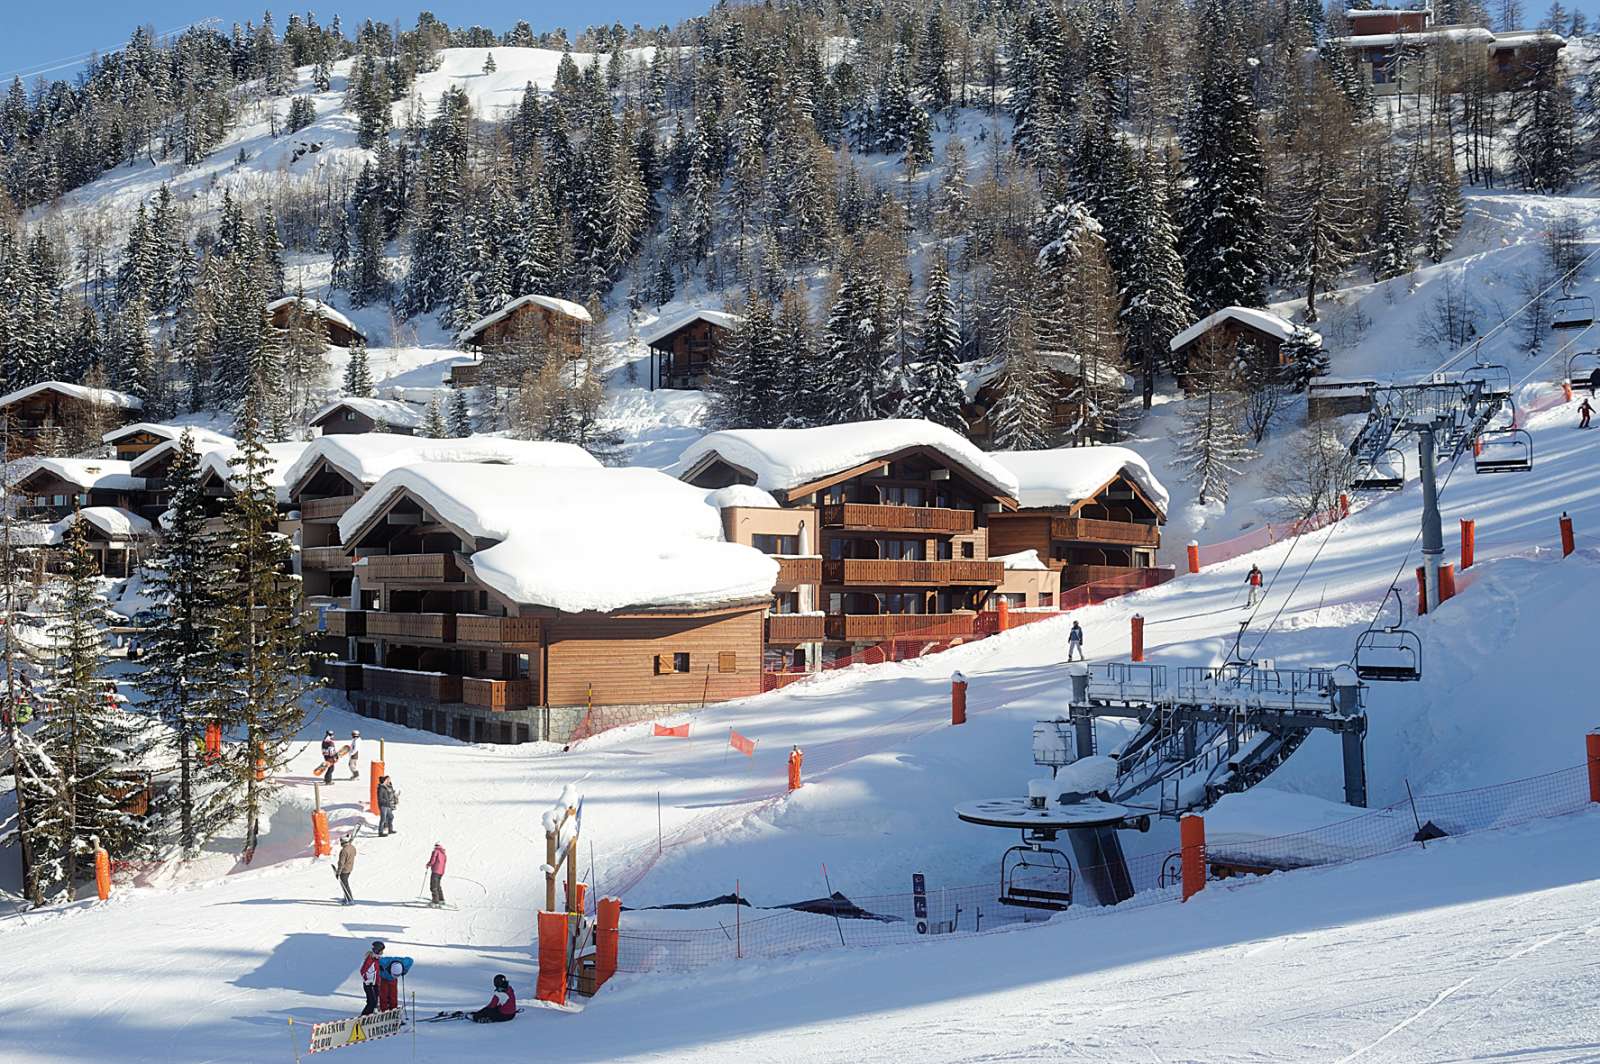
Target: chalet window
point(787, 602)
point(898, 495)
point(901, 602)
point(727, 661)
point(946, 550)
point(902, 549)
point(666, 664)
point(519, 666)
point(1047, 598)
point(966, 549)
point(349, 415)
point(772, 544)
point(680, 663)
point(1014, 599)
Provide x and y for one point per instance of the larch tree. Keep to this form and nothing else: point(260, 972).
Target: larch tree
point(1211, 446)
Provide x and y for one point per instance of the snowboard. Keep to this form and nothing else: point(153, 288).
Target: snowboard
point(322, 762)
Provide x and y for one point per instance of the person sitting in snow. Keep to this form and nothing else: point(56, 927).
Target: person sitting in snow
point(1075, 641)
point(498, 1010)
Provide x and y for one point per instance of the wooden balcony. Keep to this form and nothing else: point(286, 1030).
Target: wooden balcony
point(472, 628)
point(1078, 575)
point(404, 683)
point(896, 518)
point(325, 559)
point(413, 568)
point(496, 694)
point(1093, 530)
point(341, 675)
point(792, 572)
point(327, 509)
point(345, 622)
point(873, 628)
point(875, 572)
point(423, 627)
point(795, 628)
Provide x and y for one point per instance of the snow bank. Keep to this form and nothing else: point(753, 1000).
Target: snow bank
point(100, 396)
point(1264, 320)
point(387, 411)
point(672, 325)
point(781, 459)
point(1023, 559)
point(583, 539)
point(741, 495)
point(367, 456)
point(1065, 476)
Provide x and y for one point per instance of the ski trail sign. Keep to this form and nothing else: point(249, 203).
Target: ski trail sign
point(353, 1030)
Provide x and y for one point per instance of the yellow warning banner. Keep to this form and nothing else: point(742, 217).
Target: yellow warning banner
point(352, 1030)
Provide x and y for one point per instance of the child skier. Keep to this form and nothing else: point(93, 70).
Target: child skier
point(498, 1011)
point(355, 755)
point(1075, 642)
point(369, 977)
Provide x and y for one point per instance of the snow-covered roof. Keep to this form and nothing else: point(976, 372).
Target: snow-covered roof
point(367, 456)
point(664, 329)
point(1065, 476)
point(781, 459)
point(168, 433)
point(281, 457)
point(560, 306)
point(204, 440)
point(1027, 560)
point(1263, 320)
point(1521, 38)
point(105, 474)
point(389, 411)
point(1372, 12)
point(317, 307)
point(1469, 34)
point(114, 521)
point(583, 539)
point(1105, 374)
point(741, 495)
point(98, 396)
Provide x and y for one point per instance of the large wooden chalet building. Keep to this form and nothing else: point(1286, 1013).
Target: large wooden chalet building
point(1396, 50)
point(53, 413)
point(683, 349)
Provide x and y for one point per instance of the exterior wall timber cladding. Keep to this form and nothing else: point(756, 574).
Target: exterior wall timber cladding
point(339, 424)
point(526, 322)
point(1022, 532)
point(1228, 333)
point(617, 655)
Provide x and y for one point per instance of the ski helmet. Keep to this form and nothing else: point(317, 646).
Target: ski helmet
point(502, 983)
point(377, 947)
point(355, 734)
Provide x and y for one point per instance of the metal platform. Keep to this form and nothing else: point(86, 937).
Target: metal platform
point(1020, 813)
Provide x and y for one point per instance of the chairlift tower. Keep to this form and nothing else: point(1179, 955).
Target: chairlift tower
point(1432, 525)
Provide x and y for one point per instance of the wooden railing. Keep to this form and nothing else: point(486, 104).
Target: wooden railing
point(792, 572)
point(1095, 530)
point(418, 686)
point(794, 628)
point(871, 628)
point(875, 572)
point(413, 567)
point(473, 628)
point(431, 627)
point(325, 559)
point(496, 694)
point(322, 509)
point(346, 622)
point(1077, 575)
point(342, 675)
point(896, 518)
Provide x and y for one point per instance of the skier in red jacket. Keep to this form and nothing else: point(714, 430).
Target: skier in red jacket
point(498, 1011)
point(369, 977)
point(1254, 580)
point(435, 867)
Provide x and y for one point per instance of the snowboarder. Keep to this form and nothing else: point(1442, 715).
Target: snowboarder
point(1585, 411)
point(388, 800)
point(346, 865)
point(355, 755)
point(435, 867)
point(369, 977)
point(1075, 641)
point(1254, 580)
point(330, 758)
point(498, 1011)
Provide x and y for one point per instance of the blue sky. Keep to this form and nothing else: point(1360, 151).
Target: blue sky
point(56, 34)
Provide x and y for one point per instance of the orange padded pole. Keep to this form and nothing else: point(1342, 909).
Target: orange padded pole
point(1192, 839)
point(605, 940)
point(375, 768)
point(1567, 545)
point(102, 873)
point(552, 984)
point(795, 760)
point(1447, 581)
point(321, 841)
point(1592, 743)
point(1002, 611)
point(958, 699)
point(1137, 623)
point(1194, 557)
point(1469, 533)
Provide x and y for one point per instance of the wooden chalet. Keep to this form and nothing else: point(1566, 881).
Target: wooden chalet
point(1398, 50)
point(880, 529)
point(57, 487)
point(1090, 513)
point(154, 467)
point(354, 414)
point(1232, 328)
point(982, 389)
point(340, 330)
point(117, 538)
point(131, 441)
point(56, 414)
point(531, 321)
point(683, 349)
point(486, 617)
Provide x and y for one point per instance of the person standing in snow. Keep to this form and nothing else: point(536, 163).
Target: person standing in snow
point(435, 867)
point(1254, 580)
point(390, 969)
point(1075, 641)
point(388, 799)
point(369, 977)
point(355, 755)
point(498, 1011)
point(1585, 411)
point(330, 757)
point(346, 865)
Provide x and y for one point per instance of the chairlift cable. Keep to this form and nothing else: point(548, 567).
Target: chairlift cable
point(1477, 344)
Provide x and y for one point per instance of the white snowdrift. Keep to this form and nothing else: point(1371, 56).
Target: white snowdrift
point(367, 456)
point(583, 539)
point(1066, 476)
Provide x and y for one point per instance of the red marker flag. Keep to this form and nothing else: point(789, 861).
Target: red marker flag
point(747, 747)
point(676, 731)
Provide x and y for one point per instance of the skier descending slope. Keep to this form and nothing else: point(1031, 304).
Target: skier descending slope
point(435, 867)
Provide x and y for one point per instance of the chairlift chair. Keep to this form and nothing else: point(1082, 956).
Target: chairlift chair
point(1503, 451)
point(1496, 378)
point(1572, 312)
point(1583, 371)
point(1387, 472)
point(1392, 654)
point(1035, 876)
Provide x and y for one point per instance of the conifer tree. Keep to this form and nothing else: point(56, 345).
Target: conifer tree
point(1444, 208)
point(1395, 236)
point(433, 426)
point(856, 356)
point(16, 709)
point(460, 414)
point(936, 393)
point(1304, 357)
point(357, 372)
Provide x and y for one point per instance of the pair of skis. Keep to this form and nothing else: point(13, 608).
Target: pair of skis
point(456, 1015)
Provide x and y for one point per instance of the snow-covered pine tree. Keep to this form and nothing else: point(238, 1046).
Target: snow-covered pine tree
point(460, 425)
point(1444, 210)
point(1545, 147)
point(1211, 446)
point(805, 387)
point(1305, 358)
point(266, 663)
point(15, 699)
point(179, 670)
point(433, 426)
point(85, 745)
point(358, 372)
point(936, 393)
point(302, 112)
point(1155, 305)
point(1394, 238)
point(1320, 216)
point(744, 389)
point(856, 357)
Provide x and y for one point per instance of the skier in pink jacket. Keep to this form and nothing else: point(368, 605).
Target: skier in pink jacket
point(435, 867)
